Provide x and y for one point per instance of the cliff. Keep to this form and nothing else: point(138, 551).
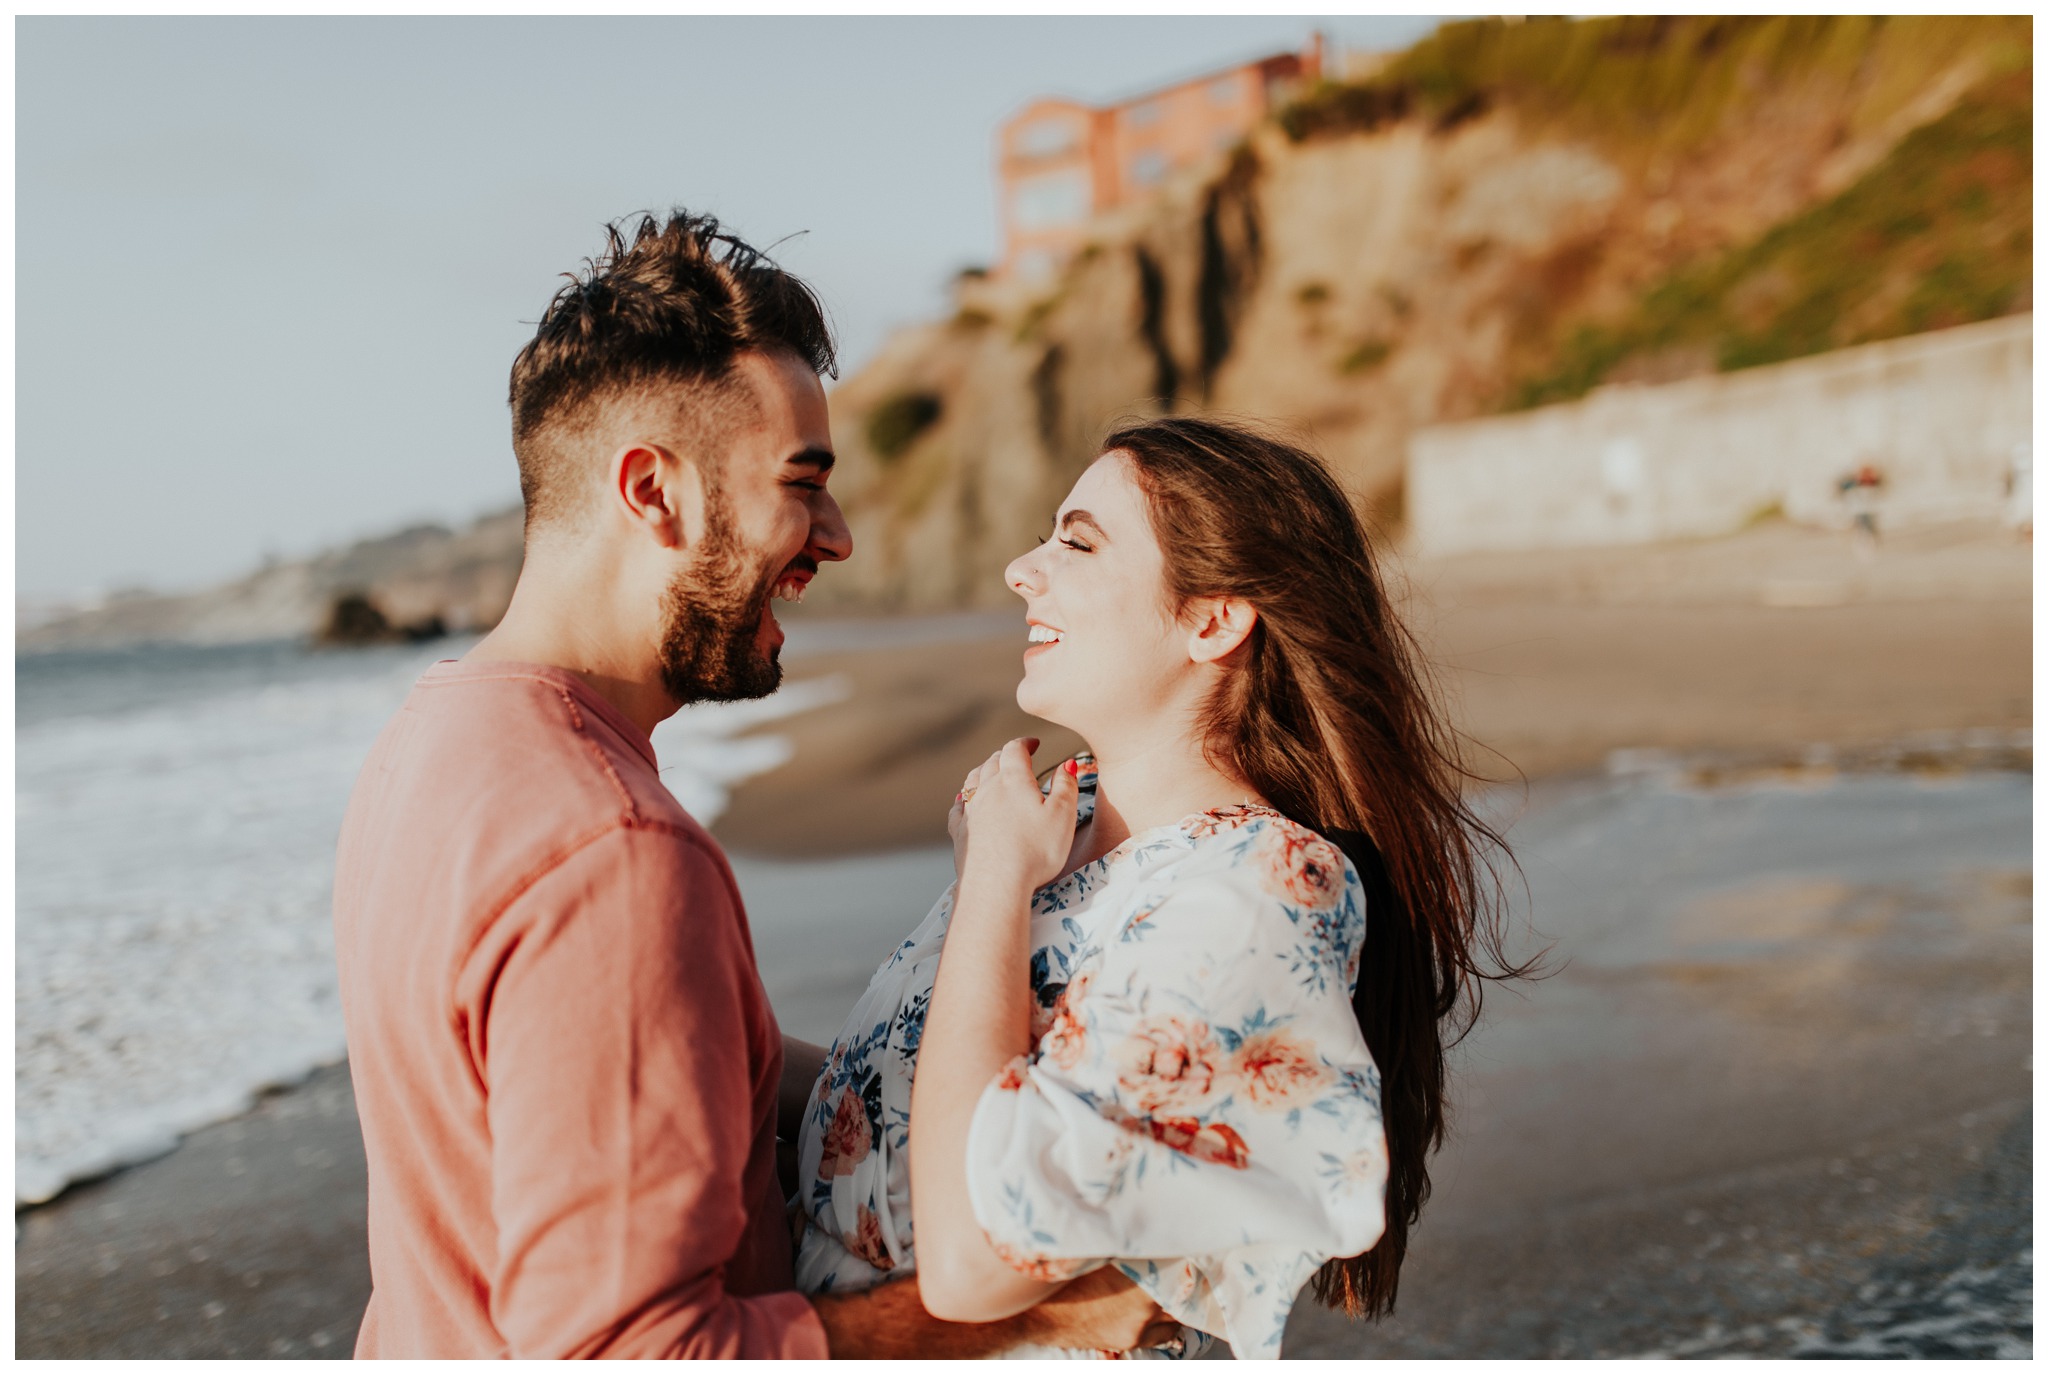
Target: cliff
point(464, 578)
point(1507, 214)
point(1504, 215)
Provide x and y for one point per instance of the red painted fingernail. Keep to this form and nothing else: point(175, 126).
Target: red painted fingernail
point(1073, 766)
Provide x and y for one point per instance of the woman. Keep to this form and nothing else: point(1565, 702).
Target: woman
point(1163, 1034)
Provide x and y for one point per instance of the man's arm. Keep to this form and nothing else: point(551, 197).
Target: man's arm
point(1101, 1311)
point(802, 1063)
point(609, 1011)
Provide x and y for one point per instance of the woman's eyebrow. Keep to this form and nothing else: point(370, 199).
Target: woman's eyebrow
point(1076, 517)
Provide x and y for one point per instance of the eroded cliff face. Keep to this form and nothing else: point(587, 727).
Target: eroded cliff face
point(1346, 289)
point(1468, 234)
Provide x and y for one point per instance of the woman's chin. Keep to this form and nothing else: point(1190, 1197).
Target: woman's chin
point(1033, 700)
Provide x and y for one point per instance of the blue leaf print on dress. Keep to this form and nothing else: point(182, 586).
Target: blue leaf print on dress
point(910, 1025)
point(1063, 1167)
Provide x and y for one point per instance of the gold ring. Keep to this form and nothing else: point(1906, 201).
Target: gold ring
point(964, 796)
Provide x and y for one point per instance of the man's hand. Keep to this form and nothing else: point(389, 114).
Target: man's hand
point(1100, 1311)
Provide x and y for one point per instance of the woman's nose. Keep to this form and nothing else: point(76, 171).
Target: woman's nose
point(1021, 576)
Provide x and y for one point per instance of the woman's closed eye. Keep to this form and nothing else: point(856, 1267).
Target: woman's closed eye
point(1071, 543)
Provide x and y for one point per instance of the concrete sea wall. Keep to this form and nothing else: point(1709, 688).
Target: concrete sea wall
point(1944, 417)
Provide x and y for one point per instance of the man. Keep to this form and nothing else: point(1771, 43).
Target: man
point(566, 1067)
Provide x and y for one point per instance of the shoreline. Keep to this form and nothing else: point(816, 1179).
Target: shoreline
point(1928, 755)
point(1812, 1165)
point(1668, 672)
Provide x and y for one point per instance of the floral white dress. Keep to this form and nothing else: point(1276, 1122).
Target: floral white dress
point(1198, 1107)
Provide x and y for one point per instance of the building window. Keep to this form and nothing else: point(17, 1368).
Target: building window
point(1051, 199)
point(1224, 91)
point(1044, 138)
point(1148, 169)
point(1144, 116)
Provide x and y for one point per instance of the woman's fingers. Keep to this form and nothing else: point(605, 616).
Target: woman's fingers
point(1017, 754)
point(1065, 793)
point(973, 780)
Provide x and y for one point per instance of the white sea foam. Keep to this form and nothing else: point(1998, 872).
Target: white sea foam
point(174, 839)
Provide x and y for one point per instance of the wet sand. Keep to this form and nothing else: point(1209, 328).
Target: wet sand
point(1551, 663)
point(1776, 1099)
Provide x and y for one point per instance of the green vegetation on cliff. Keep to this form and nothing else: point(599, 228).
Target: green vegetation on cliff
point(1657, 83)
point(1506, 213)
point(896, 424)
point(1939, 233)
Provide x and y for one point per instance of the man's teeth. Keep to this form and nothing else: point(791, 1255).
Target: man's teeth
point(789, 590)
point(1044, 634)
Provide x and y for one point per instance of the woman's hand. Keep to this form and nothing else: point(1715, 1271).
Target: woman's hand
point(1005, 828)
point(1007, 840)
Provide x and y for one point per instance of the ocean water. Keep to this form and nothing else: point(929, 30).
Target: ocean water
point(175, 817)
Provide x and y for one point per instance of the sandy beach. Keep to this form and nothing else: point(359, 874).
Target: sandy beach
point(1774, 1100)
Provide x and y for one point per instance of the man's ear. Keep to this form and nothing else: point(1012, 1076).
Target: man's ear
point(659, 492)
point(1217, 625)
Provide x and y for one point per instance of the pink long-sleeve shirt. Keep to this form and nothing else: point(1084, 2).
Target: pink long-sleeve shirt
point(564, 1061)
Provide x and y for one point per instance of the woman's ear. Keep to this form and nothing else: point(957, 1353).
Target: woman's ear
point(1218, 625)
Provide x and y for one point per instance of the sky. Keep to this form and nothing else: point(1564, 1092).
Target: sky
point(270, 274)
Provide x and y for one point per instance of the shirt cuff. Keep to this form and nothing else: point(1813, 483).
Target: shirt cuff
point(802, 1331)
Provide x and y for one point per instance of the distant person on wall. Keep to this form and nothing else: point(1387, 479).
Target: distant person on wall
point(2019, 490)
point(568, 1074)
point(1859, 490)
point(1183, 1013)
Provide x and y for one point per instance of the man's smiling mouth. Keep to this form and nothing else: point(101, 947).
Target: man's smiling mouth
point(795, 578)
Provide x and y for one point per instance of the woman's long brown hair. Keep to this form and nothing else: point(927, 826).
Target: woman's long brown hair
point(1330, 716)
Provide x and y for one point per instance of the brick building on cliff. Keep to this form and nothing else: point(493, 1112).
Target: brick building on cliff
point(1061, 163)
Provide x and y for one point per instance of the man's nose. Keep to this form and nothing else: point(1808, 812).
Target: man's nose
point(831, 540)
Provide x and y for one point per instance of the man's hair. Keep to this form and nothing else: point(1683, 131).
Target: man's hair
point(675, 307)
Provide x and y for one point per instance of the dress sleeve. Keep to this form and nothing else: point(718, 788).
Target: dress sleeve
point(619, 1087)
point(1203, 1109)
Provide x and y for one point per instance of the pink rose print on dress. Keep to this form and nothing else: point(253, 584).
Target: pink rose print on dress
point(1213, 1142)
point(1064, 1039)
point(1362, 1167)
point(1037, 1267)
point(1012, 1077)
point(846, 1140)
point(1275, 1070)
point(1219, 819)
point(1168, 1065)
point(1300, 867)
point(867, 1241)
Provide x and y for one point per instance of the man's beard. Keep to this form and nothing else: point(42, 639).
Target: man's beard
point(710, 647)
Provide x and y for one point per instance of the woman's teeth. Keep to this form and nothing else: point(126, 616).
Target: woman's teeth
point(1044, 635)
point(789, 590)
